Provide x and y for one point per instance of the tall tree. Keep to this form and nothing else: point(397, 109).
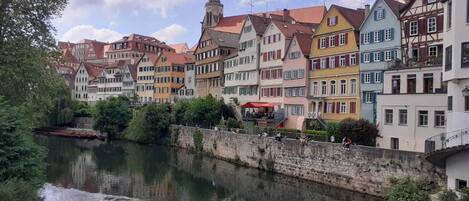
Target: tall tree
point(112, 116)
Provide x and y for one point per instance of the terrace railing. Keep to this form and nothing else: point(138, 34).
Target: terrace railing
point(447, 140)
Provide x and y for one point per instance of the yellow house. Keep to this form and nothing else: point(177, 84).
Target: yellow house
point(334, 75)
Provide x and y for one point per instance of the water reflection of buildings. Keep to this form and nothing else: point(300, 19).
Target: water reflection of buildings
point(86, 176)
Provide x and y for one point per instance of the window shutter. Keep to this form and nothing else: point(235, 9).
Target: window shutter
point(333, 107)
point(352, 107)
point(372, 77)
point(372, 37)
point(336, 19)
point(264, 56)
point(362, 36)
point(372, 55)
point(325, 108)
point(328, 21)
point(337, 58)
point(439, 23)
point(384, 13)
point(279, 54)
point(336, 39)
point(422, 26)
point(373, 97)
point(327, 63)
point(362, 58)
point(423, 53)
point(392, 33)
point(347, 60)
point(406, 29)
point(375, 13)
point(327, 42)
point(364, 97)
point(318, 64)
point(362, 78)
point(382, 56)
point(337, 108)
point(393, 54)
point(319, 43)
point(381, 74)
point(381, 35)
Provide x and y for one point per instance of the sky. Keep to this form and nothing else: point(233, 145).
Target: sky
point(172, 21)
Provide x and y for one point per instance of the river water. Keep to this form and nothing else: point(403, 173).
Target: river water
point(83, 170)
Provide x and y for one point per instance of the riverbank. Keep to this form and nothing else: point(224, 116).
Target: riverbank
point(362, 169)
point(69, 132)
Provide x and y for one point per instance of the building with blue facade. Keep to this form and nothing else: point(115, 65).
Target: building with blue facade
point(380, 44)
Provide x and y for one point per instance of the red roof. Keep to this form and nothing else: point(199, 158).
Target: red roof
point(176, 58)
point(257, 105)
point(289, 29)
point(354, 17)
point(232, 24)
point(180, 47)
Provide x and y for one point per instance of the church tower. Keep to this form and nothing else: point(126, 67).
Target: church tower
point(213, 13)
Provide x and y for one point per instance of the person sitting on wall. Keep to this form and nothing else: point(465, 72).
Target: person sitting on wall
point(278, 137)
point(348, 142)
point(332, 139)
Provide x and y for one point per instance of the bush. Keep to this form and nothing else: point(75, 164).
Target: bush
point(405, 189)
point(288, 130)
point(464, 194)
point(361, 131)
point(316, 132)
point(203, 112)
point(112, 116)
point(150, 124)
point(333, 129)
point(233, 123)
point(18, 190)
point(178, 112)
point(198, 141)
point(448, 195)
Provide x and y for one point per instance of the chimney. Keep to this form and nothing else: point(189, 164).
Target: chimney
point(286, 15)
point(367, 9)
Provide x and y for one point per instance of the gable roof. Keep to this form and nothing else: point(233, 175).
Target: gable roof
point(232, 24)
point(93, 70)
point(175, 58)
point(304, 41)
point(289, 29)
point(354, 17)
point(394, 5)
point(224, 39)
point(259, 23)
point(180, 47)
point(313, 14)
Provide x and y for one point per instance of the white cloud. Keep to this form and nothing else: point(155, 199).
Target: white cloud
point(80, 32)
point(351, 3)
point(170, 34)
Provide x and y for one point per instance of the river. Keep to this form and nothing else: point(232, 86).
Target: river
point(95, 169)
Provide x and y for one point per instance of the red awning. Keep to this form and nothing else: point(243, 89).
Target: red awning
point(257, 105)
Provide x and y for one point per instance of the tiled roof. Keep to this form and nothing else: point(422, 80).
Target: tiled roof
point(289, 29)
point(355, 17)
point(304, 41)
point(395, 6)
point(313, 14)
point(93, 69)
point(232, 24)
point(259, 23)
point(176, 58)
point(65, 45)
point(68, 56)
point(180, 47)
point(224, 39)
point(133, 71)
point(143, 39)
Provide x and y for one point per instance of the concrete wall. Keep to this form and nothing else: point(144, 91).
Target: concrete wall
point(362, 169)
point(456, 168)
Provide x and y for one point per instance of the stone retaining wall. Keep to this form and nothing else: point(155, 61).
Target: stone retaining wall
point(362, 169)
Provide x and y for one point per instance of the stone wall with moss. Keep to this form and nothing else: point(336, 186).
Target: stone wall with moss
point(362, 169)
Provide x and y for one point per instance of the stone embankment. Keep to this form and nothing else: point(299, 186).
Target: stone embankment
point(363, 169)
point(69, 132)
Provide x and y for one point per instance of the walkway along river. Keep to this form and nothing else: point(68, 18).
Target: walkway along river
point(162, 173)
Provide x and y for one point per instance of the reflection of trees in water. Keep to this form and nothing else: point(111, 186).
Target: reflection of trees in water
point(110, 157)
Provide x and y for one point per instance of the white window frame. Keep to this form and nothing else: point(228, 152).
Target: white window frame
point(366, 38)
point(377, 77)
point(322, 42)
point(353, 86)
point(333, 87)
point(331, 62)
point(413, 24)
point(388, 55)
point(323, 63)
point(431, 25)
point(367, 78)
point(332, 41)
point(342, 61)
point(433, 49)
point(366, 57)
point(343, 107)
point(387, 34)
point(353, 57)
point(343, 87)
point(377, 56)
point(368, 97)
point(324, 88)
point(315, 89)
point(380, 14)
point(376, 36)
point(431, 1)
point(332, 21)
point(342, 39)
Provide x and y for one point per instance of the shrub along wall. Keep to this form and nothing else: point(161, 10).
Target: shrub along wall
point(363, 169)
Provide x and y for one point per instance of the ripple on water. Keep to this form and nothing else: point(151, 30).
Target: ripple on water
point(53, 193)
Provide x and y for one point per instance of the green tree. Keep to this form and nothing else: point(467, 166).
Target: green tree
point(150, 124)
point(20, 159)
point(178, 112)
point(361, 131)
point(448, 195)
point(204, 112)
point(405, 189)
point(112, 116)
point(464, 194)
point(233, 123)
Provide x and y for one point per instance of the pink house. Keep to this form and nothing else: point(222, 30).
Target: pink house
point(295, 80)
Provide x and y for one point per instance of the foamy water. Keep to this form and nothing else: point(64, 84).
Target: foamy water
point(53, 193)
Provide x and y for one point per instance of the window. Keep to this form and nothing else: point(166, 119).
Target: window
point(315, 89)
point(450, 12)
point(324, 88)
point(322, 43)
point(342, 39)
point(331, 41)
point(380, 14)
point(449, 58)
point(414, 28)
point(353, 86)
point(367, 78)
point(342, 61)
point(353, 59)
point(395, 143)
point(323, 63)
point(423, 118)
point(368, 97)
point(431, 25)
point(450, 103)
point(377, 37)
point(333, 87)
point(428, 83)
point(388, 116)
point(343, 87)
point(377, 56)
point(465, 55)
point(332, 21)
point(433, 51)
point(387, 34)
point(366, 57)
point(461, 184)
point(402, 117)
point(366, 38)
point(387, 55)
point(377, 77)
point(411, 84)
point(467, 12)
point(431, 1)
point(331, 62)
point(440, 119)
point(343, 107)
point(466, 103)
point(396, 84)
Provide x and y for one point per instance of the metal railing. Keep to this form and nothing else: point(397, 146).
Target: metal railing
point(447, 140)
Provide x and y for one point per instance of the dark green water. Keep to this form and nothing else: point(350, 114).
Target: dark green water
point(166, 174)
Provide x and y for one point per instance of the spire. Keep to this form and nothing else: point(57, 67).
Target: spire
point(213, 13)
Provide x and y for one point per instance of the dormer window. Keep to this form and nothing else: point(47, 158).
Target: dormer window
point(332, 21)
point(380, 14)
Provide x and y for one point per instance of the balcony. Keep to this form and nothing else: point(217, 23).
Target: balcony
point(444, 145)
point(417, 63)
